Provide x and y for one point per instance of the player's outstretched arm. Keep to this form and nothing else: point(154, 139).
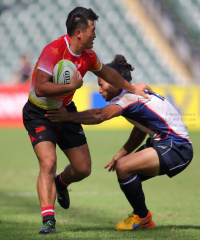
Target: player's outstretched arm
point(44, 87)
point(136, 138)
point(89, 117)
point(113, 77)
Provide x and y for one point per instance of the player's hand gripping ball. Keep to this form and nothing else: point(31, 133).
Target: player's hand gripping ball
point(63, 72)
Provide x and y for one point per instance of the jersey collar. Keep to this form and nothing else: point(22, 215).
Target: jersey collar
point(67, 40)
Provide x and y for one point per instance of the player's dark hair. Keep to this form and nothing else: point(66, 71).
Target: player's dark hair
point(77, 19)
point(122, 67)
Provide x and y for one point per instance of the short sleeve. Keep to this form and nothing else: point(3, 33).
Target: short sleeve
point(48, 59)
point(126, 101)
point(96, 64)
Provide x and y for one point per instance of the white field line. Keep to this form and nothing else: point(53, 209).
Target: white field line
point(73, 193)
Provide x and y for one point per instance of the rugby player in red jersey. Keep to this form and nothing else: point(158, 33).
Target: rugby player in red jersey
point(45, 95)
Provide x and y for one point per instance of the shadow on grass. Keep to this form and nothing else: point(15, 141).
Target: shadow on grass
point(177, 227)
point(168, 227)
point(76, 223)
point(28, 230)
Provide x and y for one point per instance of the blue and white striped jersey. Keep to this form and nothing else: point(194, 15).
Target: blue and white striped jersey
point(157, 117)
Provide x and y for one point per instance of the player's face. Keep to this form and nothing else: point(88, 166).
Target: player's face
point(88, 36)
point(107, 91)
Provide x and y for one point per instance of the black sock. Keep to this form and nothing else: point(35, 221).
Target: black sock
point(47, 218)
point(132, 188)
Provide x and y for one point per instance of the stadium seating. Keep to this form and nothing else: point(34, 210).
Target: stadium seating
point(26, 26)
point(179, 23)
point(189, 14)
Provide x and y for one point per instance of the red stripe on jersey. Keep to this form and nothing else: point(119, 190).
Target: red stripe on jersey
point(67, 99)
point(169, 128)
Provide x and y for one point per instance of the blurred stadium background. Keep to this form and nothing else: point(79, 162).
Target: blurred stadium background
point(159, 37)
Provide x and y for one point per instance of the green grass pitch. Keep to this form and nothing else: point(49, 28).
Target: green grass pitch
point(97, 203)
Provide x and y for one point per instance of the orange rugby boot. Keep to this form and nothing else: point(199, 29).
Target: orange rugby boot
point(132, 222)
point(148, 225)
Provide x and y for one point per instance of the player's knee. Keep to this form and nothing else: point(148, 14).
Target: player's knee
point(48, 166)
point(83, 172)
point(121, 169)
point(87, 172)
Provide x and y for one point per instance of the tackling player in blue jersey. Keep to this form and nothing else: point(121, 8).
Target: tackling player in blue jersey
point(168, 149)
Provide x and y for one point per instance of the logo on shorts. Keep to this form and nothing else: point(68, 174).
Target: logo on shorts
point(39, 129)
point(162, 146)
point(81, 131)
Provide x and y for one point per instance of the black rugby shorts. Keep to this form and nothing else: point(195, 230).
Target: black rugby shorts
point(173, 157)
point(65, 134)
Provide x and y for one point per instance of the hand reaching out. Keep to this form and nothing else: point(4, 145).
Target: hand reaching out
point(60, 115)
point(112, 163)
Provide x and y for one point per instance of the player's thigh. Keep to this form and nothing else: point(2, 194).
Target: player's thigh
point(73, 143)
point(144, 162)
point(79, 158)
point(41, 131)
point(43, 138)
point(46, 154)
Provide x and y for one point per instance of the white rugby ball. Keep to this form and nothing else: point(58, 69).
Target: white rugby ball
point(63, 72)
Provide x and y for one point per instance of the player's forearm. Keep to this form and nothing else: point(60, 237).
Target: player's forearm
point(119, 82)
point(114, 78)
point(49, 89)
point(123, 152)
point(89, 117)
point(135, 140)
point(127, 149)
point(130, 146)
